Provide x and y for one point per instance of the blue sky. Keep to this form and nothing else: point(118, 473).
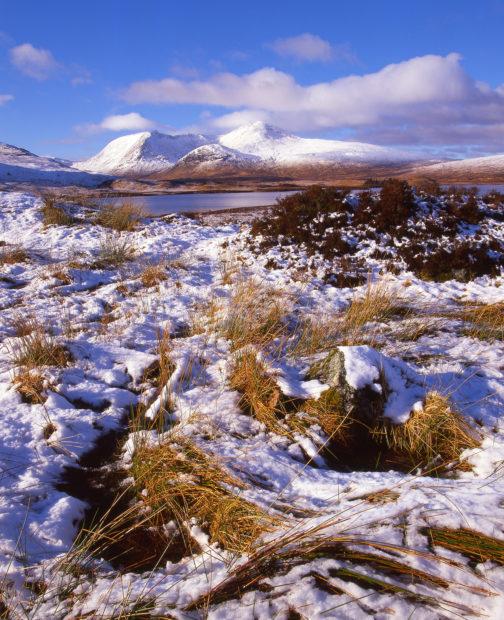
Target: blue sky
point(421, 74)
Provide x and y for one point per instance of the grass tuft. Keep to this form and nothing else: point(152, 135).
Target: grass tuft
point(487, 321)
point(114, 251)
point(179, 482)
point(12, 254)
point(30, 384)
point(437, 431)
point(153, 274)
point(256, 314)
point(38, 349)
point(123, 217)
point(52, 215)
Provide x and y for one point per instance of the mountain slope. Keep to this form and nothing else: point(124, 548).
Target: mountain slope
point(141, 153)
point(281, 148)
point(18, 165)
point(488, 169)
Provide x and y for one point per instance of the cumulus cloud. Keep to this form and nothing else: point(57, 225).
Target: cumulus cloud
point(119, 123)
point(34, 62)
point(428, 91)
point(308, 47)
point(5, 99)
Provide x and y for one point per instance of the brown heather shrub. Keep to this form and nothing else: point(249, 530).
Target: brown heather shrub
point(52, 215)
point(123, 217)
point(180, 482)
point(394, 206)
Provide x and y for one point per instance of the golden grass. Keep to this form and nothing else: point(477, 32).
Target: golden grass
point(153, 274)
point(379, 302)
point(260, 395)
point(122, 217)
point(474, 545)
point(179, 482)
point(487, 321)
point(24, 324)
point(316, 334)
point(12, 254)
point(52, 215)
point(30, 384)
point(436, 431)
point(37, 349)
point(114, 251)
point(256, 314)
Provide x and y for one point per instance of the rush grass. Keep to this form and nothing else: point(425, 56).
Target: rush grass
point(180, 482)
point(474, 545)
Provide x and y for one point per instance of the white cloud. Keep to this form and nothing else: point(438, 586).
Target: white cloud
point(5, 99)
point(428, 91)
point(120, 123)
point(34, 62)
point(309, 47)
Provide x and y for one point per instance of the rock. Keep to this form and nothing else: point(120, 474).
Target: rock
point(372, 386)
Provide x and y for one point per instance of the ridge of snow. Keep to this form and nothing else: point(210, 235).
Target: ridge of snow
point(20, 165)
point(144, 152)
point(271, 143)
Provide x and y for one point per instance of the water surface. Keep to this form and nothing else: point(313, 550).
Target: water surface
point(177, 203)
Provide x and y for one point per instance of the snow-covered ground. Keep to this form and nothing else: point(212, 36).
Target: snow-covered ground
point(103, 380)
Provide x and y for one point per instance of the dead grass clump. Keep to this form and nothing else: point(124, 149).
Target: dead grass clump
point(412, 330)
point(379, 302)
point(52, 215)
point(123, 217)
point(12, 254)
point(256, 314)
point(153, 274)
point(474, 545)
point(487, 321)
point(37, 349)
point(24, 324)
point(114, 251)
point(179, 482)
point(260, 395)
point(30, 384)
point(316, 334)
point(435, 432)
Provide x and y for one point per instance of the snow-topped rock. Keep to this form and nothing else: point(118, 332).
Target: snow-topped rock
point(18, 165)
point(142, 153)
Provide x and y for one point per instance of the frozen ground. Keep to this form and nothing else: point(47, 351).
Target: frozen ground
point(104, 379)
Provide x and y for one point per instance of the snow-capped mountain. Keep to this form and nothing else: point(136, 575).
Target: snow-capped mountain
point(257, 147)
point(18, 165)
point(475, 169)
point(141, 153)
point(281, 148)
